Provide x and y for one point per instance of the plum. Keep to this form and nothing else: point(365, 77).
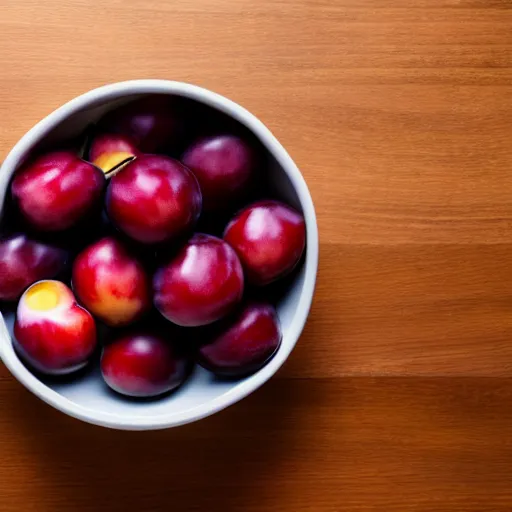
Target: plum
point(269, 238)
point(245, 344)
point(24, 261)
point(223, 165)
point(201, 284)
point(109, 150)
point(152, 123)
point(142, 365)
point(154, 199)
point(52, 332)
point(111, 283)
point(57, 190)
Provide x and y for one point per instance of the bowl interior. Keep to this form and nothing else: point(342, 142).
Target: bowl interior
point(87, 397)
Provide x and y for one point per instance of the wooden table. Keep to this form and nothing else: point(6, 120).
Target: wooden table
point(398, 396)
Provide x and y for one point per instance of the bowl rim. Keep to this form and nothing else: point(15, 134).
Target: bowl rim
point(155, 86)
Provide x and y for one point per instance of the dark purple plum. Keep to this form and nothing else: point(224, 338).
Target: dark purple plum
point(201, 284)
point(57, 190)
point(154, 199)
point(24, 261)
point(142, 365)
point(223, 165)
point(245, 344)
point(152, 123)
point(269, 238)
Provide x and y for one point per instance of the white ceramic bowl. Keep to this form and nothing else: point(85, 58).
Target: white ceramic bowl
point(87, 398)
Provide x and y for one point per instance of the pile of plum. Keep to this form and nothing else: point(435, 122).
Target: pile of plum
point(150, 246)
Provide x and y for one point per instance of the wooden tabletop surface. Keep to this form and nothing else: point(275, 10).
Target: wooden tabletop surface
point(398, 396)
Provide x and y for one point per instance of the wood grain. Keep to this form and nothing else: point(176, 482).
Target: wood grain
point(304, 445)
point(398, 396)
